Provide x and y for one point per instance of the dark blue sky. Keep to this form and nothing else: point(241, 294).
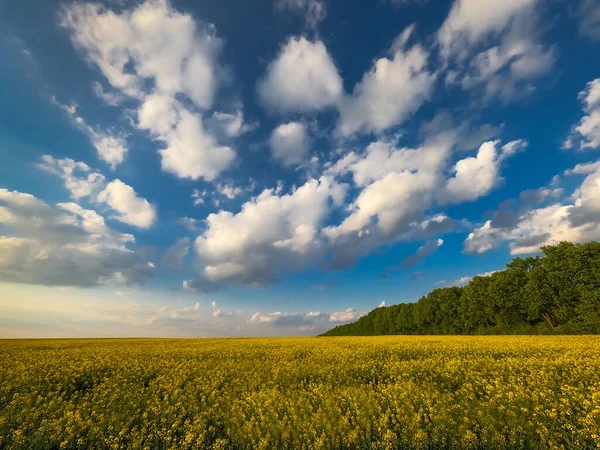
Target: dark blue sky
point(279, 167)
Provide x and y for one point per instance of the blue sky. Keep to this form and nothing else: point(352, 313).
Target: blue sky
point(280, 167)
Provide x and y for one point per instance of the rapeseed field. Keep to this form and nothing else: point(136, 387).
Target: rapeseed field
point(311, 393)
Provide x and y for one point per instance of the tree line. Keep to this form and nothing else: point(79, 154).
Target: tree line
point(557, 292)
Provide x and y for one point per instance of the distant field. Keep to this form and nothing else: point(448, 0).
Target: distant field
point(334, 393)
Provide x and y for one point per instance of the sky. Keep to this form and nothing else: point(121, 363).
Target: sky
point(273, 168)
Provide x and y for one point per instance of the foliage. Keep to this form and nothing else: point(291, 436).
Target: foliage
point(313, 393)
point(555, 293)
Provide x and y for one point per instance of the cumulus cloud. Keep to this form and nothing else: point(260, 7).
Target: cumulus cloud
point(576, 219)
point(79, 178)
point(394, 88)
point(314, 321)
point(477, 176)
point(230, 124)
point(349, 315)
point(383, 157)
point(64, 245)
point(398, 186)
point(231, 191)
point(271, 233)
point(389, 203)
point(132, 209)
point(302, 78)
point(505, 71)
point(111, 146)
point(198, 197)
point(154, 45)
point(586, 135)
point(82, 182)
point(503, 39)
point(314, 11)
point(470, 21)
point(289, 143)
point(191, 151)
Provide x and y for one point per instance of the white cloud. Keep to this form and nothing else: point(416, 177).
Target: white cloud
point(231, 191)
point(191, 151)
point(587, 133)
point(505, 70)
point(575, 219)
point(290, 143)
point(302, 78)
point(504, 38)
point(391, 91)
point(163, 45)
point(230, 125)
point(270, 234)
point(314, 321)
point(132, 209)
point(111, 147)
point(314, 11)
point(154, 43)
point(277, 318)
point(216, 312)
point(111, 98)
point(349, 315)
point(82, 181)
point(389, 203)
point(382, 157)
point(398, 186)
point(79, 178)
point(198, 197)
point(382, 304)
point(64, 245)
point(477, 176)
point(470, 21)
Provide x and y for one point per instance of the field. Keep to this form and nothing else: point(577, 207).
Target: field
point(311, 393)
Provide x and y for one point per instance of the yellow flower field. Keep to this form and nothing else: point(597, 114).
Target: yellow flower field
point(311, 393)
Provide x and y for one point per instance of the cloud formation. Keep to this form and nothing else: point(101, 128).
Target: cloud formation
point(476, 176)
point(302, 78)
point(64, 245)
point(586, 135)
point(576, 219)
point(271, 233)
point(289, 143)
point(83, 182)
point(494, 48)
point(111, 146)
point(154, 43)
point(394, 88)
